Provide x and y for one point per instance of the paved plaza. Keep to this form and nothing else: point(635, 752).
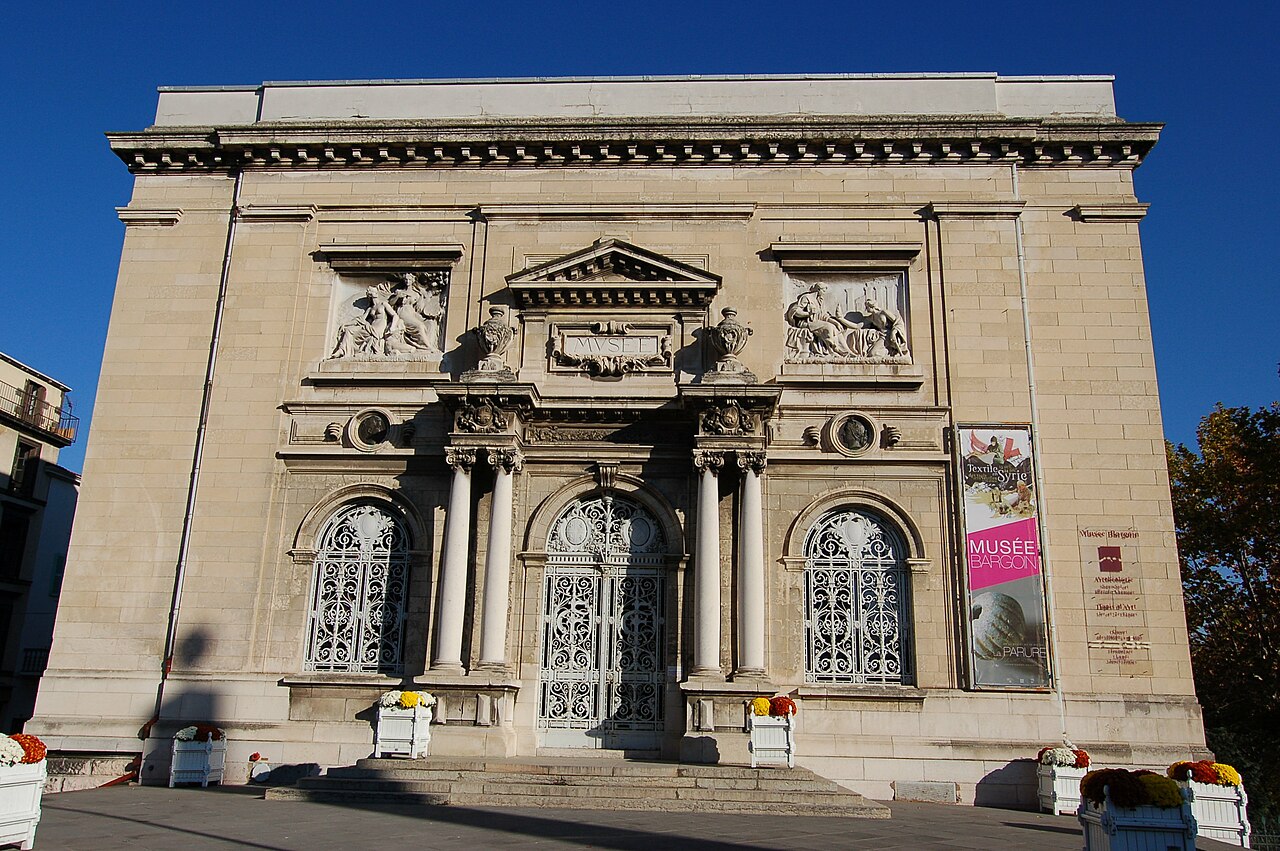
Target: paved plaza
point(236, 817)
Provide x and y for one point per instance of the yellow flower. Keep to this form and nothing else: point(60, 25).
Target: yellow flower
point(760, 706)
point(1161, 791)
point(1227, 776)
point(409, 699)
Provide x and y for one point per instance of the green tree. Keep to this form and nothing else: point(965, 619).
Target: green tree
point(1226, 507)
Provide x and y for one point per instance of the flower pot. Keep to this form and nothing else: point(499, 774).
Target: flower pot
point(198, 762)
point(403, 732)
point(1059, 788)
point(1220, 812)
point(20, 789)
point(772, 742)
point(1112, 828)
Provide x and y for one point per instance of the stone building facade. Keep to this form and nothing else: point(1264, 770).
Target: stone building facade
point(598, 407)
point(37, 506)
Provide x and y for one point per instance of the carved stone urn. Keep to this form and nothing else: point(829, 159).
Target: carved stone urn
point(494, 336)
point(727, 340)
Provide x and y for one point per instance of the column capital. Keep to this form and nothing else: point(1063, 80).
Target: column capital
point(460, 458)
point(753, 461)
point(706, 459)
point(510, 460)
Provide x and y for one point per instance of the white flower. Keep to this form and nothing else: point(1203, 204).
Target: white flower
point(11, 753)
point(186, 734)
point(390, 700)
point(1059, 756)
point(425, 698)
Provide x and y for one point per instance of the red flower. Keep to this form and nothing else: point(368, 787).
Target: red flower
point(782, 706)
point(1202, 771)
point(1082, 758)
point(33, 750)
point(204, 731)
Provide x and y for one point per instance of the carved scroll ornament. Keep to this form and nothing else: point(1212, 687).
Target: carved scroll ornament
point(729, 418)
point(480, 417)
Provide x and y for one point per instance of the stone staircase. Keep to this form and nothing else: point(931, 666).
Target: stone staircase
point(583, 784)
point(73, 772)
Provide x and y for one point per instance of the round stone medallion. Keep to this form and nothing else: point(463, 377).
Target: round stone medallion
point(855, 434)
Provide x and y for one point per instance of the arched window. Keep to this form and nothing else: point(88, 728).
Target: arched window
point(856, 609)
point(357, 600)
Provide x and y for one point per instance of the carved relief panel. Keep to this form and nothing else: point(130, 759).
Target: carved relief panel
point(847, 317)
point(389, 317)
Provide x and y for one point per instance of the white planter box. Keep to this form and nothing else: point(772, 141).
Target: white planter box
point(772, 742)
point(1110, 828)
point(1220, 812)
point(1059, 788)
point(20, 790)
point(198, 762)
point(403, 732)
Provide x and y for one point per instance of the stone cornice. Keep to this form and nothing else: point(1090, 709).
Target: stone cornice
point(1110, 212)
point(142, 217)
point(974, 209)
point(371, 258)
point(608, 210)
point(277, 213)
point(648, 142)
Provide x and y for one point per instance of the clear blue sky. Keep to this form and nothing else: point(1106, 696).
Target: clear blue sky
point(74, 70)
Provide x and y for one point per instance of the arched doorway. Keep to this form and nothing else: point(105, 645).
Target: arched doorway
point(602, 647)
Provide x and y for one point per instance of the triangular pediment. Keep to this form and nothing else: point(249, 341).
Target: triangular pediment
point(613, 273)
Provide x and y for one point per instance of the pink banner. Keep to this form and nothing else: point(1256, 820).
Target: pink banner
point(1003, 553)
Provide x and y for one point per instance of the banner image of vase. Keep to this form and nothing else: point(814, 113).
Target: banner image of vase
point(199, 755)
point(23, 769)
point(404, 724)
point(1059, 771)
point(1218, 800)
point(1124, 810)
point(769, 722)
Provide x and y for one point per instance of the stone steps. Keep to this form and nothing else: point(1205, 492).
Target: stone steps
point(73, 772)
point(586, 784)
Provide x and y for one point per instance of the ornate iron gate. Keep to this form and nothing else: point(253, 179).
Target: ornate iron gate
point(601, 684)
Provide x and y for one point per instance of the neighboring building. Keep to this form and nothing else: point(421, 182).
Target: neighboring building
point(37, 505)
point(621, 509)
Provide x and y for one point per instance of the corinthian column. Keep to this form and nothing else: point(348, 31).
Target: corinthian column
point(497, 561)
point(706, 566)
point(751, 578)
point(453, 564)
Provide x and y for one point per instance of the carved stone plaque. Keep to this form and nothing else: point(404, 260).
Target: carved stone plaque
point(847, 318)
point(611, 349)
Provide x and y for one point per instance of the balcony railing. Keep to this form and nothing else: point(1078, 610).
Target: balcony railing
point(30, 409)
point(34, 660)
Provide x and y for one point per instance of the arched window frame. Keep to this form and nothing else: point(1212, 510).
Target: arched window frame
point(857, 598)
point(360, 570)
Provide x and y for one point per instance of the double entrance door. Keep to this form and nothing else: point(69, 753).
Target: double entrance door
point(602, 677)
